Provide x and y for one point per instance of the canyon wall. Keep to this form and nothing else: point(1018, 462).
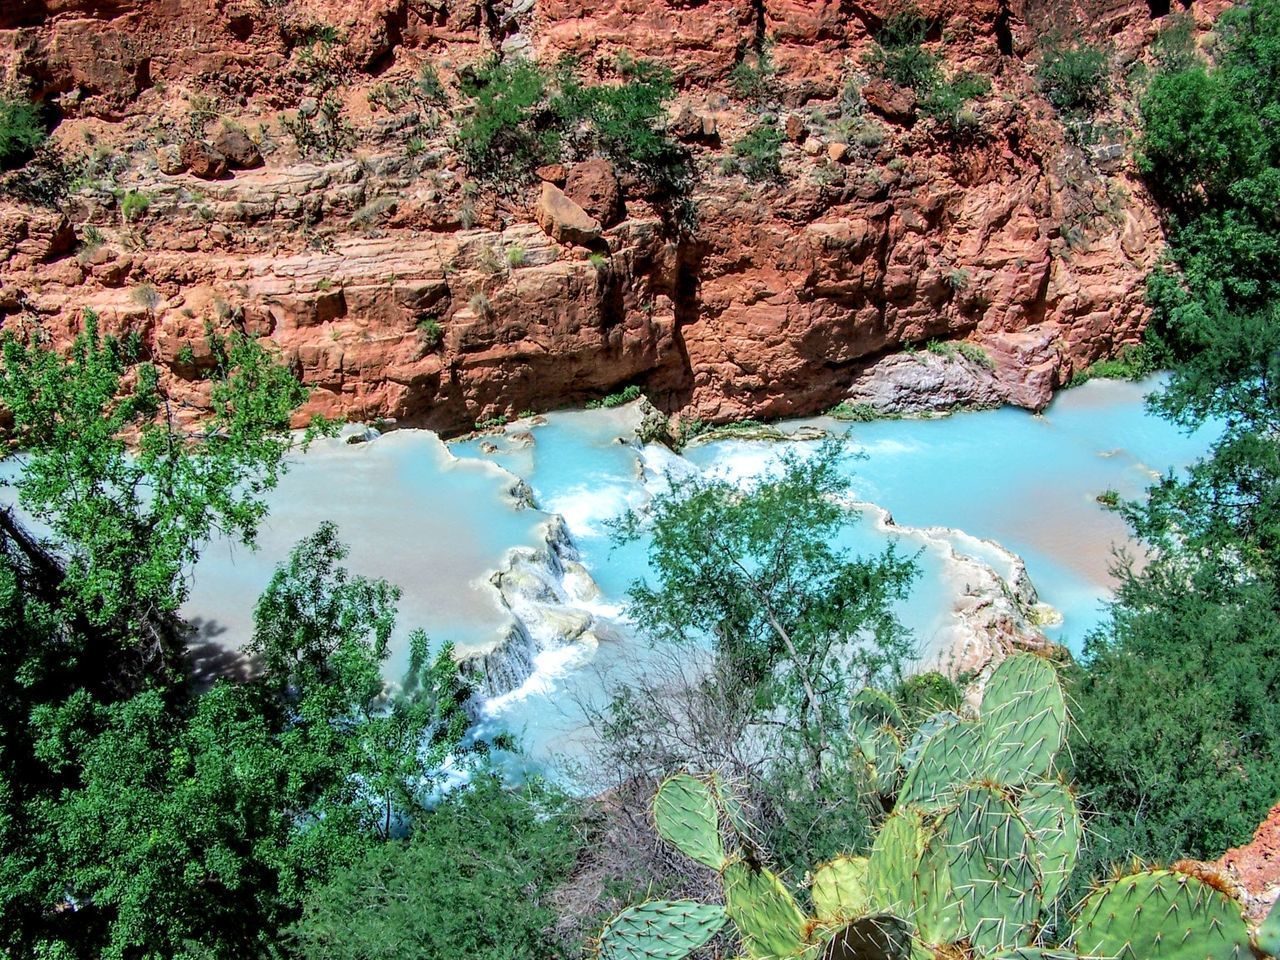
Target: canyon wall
point(400, 289)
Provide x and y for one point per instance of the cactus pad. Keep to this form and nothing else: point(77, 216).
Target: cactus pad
point(686, 815)
point(768, 920)
point(883, 937)
point(660, 930)
point(881, 752)
point(949, 760)
point(877, 707)
point(924, 732)
point(895, 859)
point(1049, 809)
point(1024, 720)
point(1161, 915)
point(1268, 938)
point(978, 876)
point(840, 889)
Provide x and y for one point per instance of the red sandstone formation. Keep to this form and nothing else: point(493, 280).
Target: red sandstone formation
point(783, 299)
point(1255, 867)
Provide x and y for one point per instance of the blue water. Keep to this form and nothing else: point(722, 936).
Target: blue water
point(437, 519)
point(410, 512)
point(1028, 482)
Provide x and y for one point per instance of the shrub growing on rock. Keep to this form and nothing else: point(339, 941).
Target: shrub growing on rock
point(1074, 79)
point(758, 155)
point(21, 131)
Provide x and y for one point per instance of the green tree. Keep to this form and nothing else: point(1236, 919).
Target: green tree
point(475, 880)
point(128, 523)
point(194, 829)
point(21, 131)
point(139, 817)
point(1178, 725)
point(757, 574)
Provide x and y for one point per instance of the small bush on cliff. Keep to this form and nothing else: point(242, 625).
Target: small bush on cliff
point(1074, 78)
point(21, 131)
point(752, 77)
point(947, 100)
point(899, 55)
point(758, 155)
point(519, 116)
point(619, 399)
point(501, 129)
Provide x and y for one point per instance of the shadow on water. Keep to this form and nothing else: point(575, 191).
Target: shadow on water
point(211, 658)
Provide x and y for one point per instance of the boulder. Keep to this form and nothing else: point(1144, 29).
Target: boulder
point(169, 159)
point(563, 220)
point(593, 185)
point(203, 161)
point(553, 173)
point(891, 102)
point(690, 125)
point(241, 152)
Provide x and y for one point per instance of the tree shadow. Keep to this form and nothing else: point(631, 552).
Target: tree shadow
point(210, 657)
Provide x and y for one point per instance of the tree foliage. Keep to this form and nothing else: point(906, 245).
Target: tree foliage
point(475, 880)
point(519, 115)
point(21, 131)
point(139, 816)
point(1177, 704)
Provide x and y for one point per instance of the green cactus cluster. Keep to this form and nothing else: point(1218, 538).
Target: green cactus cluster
point(977, 848)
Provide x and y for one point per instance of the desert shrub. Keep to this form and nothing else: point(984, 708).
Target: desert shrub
point(1074, 78)
point(474, 880)
point(519, 116)
point(947, 100)
point(430, 333)
point(503, 129)
point(923, 694)
point(21, 131)
point(975, 354)
point(899, 55)
point(134, 206)
point(853, 412)
point(621, 398)
point(1134, 362)
point(758, 155)
point(752, 77)
point(327, 135)
point(45, 180)
point(627, 123)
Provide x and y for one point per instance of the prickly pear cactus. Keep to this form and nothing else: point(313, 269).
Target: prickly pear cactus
point(660, 930)
point(1024, 720)
point(839, 889)
point(924, 733)
point(1035, 953)
point(1161, 915)
point(949, 760)
point(766, 915)
point(1050, 811)
point(1268, 938)
point(978, 878)
point(877, 707)
point(687, 817)
point(895, 860)
point(879, 937)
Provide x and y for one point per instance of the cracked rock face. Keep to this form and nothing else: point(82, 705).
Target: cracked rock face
point(775, 299)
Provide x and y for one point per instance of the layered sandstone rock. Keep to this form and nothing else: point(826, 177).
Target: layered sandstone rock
point(886, 232)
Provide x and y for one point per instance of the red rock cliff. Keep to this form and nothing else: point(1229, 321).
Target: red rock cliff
point(1027, 239)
